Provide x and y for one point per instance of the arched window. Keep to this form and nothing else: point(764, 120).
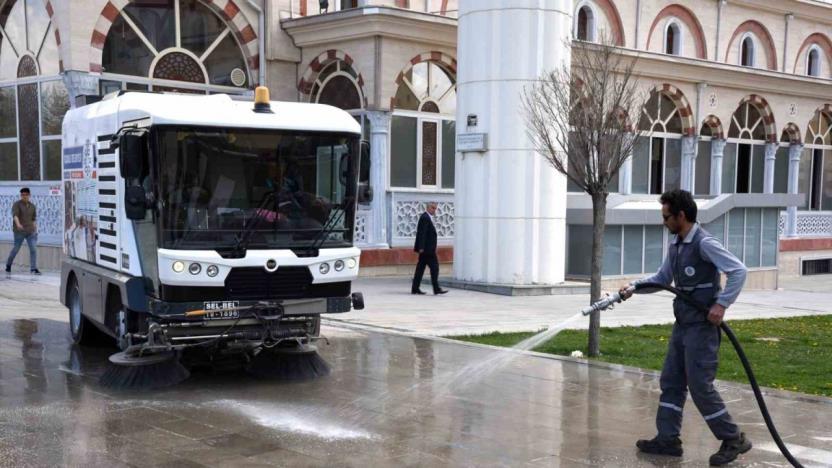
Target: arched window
point(585, 27)
point(815, 177)
point(743, 161)
point(423, 130)
point(33, 98)
point(337, 85)
point(172, 40)
point(813, 62)
point(747, 51)
point(673, 39)
point(657, 158)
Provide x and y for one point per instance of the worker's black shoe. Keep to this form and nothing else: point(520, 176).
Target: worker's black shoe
point(8, 268)
point(658, 446)
point(35, 271)
point(730, 450)
point(417, 291)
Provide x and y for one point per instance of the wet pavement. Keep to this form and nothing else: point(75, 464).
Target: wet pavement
point(390, 400)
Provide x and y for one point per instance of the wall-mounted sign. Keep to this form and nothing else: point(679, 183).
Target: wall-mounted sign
point(472, 142)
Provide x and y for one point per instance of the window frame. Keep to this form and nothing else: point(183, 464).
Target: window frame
point(591, 23)
point(421, 117)
point(677, 44)
point(814, 49)
point(749, 38)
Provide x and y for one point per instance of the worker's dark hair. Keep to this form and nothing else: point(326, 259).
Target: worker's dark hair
point(25, 190)
point(679, 200)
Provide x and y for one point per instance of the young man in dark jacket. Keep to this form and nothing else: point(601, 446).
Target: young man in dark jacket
point(24, 227)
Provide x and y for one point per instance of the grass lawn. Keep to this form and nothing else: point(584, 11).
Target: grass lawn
point(791, 353)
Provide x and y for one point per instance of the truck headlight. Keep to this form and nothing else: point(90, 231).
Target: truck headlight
point(324, 268)
point(339, 265)
point(212, 270)
point(351, 263)
point(195, 268)
point(178, 266)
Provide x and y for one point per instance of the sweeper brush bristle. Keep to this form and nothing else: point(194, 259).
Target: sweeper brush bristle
point(296, 363)
point(130, 372)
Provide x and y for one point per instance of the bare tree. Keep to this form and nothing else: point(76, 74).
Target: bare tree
point(579, 119)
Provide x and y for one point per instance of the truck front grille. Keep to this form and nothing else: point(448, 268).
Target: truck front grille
point(288, 282)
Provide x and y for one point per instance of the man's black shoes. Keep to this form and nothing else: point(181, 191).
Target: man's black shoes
point(440, 291)
point(656, 446)
point(35, 271)
point(730, 450)
point(418, 291)
point(8, 268)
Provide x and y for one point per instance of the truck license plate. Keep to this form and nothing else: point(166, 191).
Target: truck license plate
point(221, 310)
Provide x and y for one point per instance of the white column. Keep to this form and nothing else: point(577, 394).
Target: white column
point(379, 164)
point(795, 151)
point(717, 149)
point(625, 176)
point(510, 203)
point(689, 147)
point(768, 169)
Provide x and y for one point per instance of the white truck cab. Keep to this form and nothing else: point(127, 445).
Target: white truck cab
point(196, 218)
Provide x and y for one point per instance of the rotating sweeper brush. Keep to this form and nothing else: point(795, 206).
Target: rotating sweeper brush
point(616, 298)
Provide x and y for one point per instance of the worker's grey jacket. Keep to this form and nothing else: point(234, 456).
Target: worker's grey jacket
point(693, 265)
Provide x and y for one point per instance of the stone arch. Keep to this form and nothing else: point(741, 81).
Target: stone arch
point(440, 58)
point(682, 105)
point(762, 35)
point(319, 63)
point(225, 9)
point(689, 20)
point(819, 39)
point(766, 113)
point(715, 125)
point(791, 133)
point(616, 27)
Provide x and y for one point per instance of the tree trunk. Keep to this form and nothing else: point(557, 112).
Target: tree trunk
point(599, 215)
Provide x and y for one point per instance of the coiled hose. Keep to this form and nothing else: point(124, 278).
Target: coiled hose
point(610, 300)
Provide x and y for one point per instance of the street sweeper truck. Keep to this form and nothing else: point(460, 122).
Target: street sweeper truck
point(202, 222)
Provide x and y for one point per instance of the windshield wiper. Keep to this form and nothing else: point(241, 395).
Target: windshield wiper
point(329, 227)
point(251, 225)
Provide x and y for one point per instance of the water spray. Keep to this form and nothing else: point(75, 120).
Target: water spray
point(616, 298)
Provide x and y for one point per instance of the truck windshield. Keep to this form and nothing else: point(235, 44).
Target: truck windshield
point(288, 189)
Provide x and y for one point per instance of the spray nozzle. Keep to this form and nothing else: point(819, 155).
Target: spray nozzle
point(606, 302)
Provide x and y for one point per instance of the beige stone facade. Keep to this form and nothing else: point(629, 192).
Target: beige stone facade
point(376, 44)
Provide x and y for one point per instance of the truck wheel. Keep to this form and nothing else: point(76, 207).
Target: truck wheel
point(82, 330)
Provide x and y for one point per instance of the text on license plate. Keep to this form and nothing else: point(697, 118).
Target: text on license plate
point(220, 310)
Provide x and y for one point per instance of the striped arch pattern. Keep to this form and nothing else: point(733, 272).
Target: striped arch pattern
point(713, 122)
point(226, 9)
point(51, 12)
point(442, 59)
point(682, 105)
point(762, 106)
point(319, 63)
point(614, 19)
point(691, 22)
point(762, 34)
point(825, 109)
point(819, 39)
point(792, 131)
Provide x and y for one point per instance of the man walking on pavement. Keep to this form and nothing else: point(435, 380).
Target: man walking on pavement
point(693, 263)
point(426, 247)
point(24, 227)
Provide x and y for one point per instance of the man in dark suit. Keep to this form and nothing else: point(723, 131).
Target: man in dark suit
point(426, 247)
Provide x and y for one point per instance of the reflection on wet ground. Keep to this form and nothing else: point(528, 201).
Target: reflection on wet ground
point(383, 405)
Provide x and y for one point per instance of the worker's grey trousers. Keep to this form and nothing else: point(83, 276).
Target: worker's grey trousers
point(691, 362)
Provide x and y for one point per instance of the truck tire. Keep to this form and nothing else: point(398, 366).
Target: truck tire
point(83, 332)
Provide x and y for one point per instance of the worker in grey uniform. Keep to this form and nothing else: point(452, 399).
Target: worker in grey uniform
point(693, 263)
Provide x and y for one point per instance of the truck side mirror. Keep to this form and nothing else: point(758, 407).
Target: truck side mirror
point(135, 202)
point(132, 154)
point(365, 190)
